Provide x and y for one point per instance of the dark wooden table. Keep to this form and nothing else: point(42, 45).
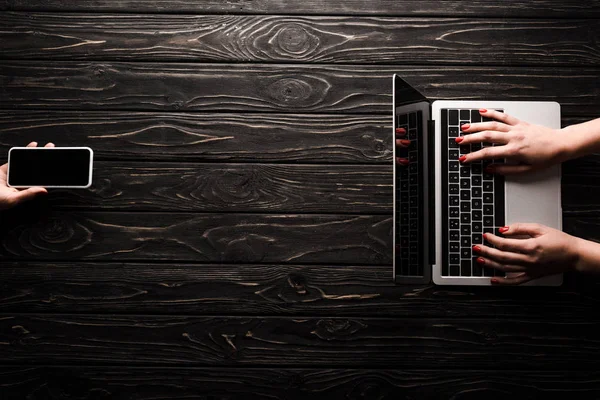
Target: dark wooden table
point(236, 242)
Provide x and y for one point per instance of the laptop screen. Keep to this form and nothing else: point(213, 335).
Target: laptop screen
point(411, 114)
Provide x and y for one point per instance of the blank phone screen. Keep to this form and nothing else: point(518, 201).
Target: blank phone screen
point(49, 167)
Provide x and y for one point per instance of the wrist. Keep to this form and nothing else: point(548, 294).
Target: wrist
point(570, 144)
point(587, 256)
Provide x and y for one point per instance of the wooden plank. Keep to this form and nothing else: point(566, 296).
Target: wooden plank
point(278, 88)
point(276, 188)
point(85, 382)
point(581, 187)
point(480, 8)
point(221, 341)
point(279, 188)
point(299, 290)
point(227, 38)
point(237, 137)
point(41, 234)
point(141, 136)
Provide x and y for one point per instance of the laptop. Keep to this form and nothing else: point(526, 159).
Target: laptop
point(442, 208)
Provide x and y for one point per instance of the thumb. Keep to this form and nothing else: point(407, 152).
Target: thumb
point(28, 194)
point(532, 230)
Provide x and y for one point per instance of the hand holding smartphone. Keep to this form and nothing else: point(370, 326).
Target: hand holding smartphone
point(50, 167)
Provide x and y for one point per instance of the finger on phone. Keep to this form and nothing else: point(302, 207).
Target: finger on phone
point(32, 144)
point(50, 144)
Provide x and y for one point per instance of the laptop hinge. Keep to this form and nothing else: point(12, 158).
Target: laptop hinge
point(431, 185)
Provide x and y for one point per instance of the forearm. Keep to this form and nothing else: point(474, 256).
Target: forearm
point(581, 139)
point(588, 256)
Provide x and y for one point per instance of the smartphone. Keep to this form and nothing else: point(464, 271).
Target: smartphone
point(50, 167)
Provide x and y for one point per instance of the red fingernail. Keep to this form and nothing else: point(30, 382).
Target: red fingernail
point(462, 158)
point(402, 161)
point(405, 142)
point(484, 236)
point(459, 139)
point(480, 260)
point(489, 170)
point(476, 248)
point(503, 229)
point(400, 131)
point(482, 110)
point(494, 280)
point(465, 126)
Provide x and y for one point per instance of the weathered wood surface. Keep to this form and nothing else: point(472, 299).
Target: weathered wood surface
point(168, 136)
point(291, 238)
point(226, 38)
point(277, 188)
point(479, 8)
point(76, 382)
point(411, 343)
point(278, 88)
point(298, 290)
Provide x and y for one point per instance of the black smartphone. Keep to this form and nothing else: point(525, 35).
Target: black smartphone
point(50, 167)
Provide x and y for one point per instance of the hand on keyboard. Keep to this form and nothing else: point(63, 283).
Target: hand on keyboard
point(541, 251)
point(531, 146)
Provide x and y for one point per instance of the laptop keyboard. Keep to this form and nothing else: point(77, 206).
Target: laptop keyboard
point(475, 199)
point(409, 200)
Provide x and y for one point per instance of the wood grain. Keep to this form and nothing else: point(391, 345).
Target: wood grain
point(49, 235)
point(411, 343)
point(298, 290)
point(35, 382)
point(481, 8)
point(226, 38)
point(242, 188)
point(278, 88)
point(206, 136)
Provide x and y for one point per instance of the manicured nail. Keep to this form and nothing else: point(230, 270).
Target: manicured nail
point(482, 111)
point(405, 142)
point(485, 236)
point(494, 281)
point(480, 260)
point(462, 158)
point(401, 131)
point(403, 161)
point(459, 139)
point(476, 248)
point(464, 127)
point(489, 169)
point(503, 229)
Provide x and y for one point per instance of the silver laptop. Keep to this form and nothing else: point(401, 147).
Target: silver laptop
point(442, 208)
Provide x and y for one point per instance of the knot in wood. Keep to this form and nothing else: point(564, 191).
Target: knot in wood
point(332, 329)
point(297, 282)
point(290, 90)
point(294, 40)
point(56, 231)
